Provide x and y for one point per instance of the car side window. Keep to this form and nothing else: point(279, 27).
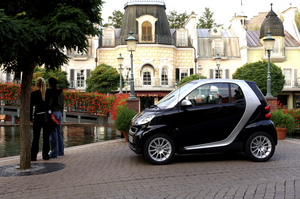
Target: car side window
point(236, 92)
point(217, 93)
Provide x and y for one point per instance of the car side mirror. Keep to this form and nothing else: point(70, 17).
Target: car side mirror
point(186, 103)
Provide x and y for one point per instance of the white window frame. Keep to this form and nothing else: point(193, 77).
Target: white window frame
point(164, 76)
point(288, 82)
point(149, 70)
point(80, 78)
point(182, 37)
point(182, 71)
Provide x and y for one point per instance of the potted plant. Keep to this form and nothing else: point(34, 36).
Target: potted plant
point(283, 122)
point(123, 120)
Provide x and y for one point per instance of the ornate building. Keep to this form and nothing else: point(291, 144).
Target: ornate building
point(239, 45)
point(162, 56)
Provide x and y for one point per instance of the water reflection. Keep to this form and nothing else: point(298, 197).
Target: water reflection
point(72, 136)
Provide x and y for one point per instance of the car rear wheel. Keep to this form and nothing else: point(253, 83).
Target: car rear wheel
point(159, 149)
point(260, 147)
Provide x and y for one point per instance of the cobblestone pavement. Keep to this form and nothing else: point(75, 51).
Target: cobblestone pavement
point(111, 170)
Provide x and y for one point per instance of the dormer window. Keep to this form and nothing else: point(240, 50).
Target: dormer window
point(215, 32)
point(217, 47)
point(182, 37)
point(146, 24)
point(146, 31)
point(108, 37)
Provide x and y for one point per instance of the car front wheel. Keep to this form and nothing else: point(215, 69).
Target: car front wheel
point(159, 149)
point(260, 147)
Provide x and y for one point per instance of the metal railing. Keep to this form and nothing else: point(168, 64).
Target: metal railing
point(155, 83)
point(144, 39)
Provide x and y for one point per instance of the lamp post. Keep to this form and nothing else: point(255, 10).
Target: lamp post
point(218, 62)
point(199, 70)
point(268, 44)
point(131, 46)
point(120, 61)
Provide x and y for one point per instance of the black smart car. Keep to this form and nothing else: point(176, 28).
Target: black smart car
point(206, 116)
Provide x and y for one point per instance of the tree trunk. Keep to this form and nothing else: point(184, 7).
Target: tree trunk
point(25, 137)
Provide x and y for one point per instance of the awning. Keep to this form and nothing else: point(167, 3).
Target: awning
point(151, 93)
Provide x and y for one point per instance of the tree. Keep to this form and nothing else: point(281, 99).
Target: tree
point(190, 78)
point(115, 20)
point(206, 21)
point(57, 73)
point(176, 20)
point(257, 72)
point(104, 79)
point(35, 33)
point(297, 18)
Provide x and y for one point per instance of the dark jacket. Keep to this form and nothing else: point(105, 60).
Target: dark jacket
point(37, 101)
point(55, 99)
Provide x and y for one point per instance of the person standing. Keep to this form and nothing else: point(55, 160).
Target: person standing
point(55, 102)
point(37, 100)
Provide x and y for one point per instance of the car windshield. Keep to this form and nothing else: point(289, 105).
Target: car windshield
point(173, 97)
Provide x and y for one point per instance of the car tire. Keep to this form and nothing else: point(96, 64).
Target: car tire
point(159, 149)
point(260, 147)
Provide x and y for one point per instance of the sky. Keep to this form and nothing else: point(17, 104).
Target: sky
point(224, 10)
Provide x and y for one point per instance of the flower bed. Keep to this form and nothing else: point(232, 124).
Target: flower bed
point(75, 100)
point(10, 93)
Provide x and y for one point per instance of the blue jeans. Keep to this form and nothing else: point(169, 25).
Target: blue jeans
point(56, 141)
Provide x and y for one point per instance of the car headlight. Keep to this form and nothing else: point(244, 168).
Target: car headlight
point(146, 119)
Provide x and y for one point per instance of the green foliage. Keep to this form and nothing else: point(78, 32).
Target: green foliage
point(124, 118)
point(176, 20)
point(206, 21)
point(257, 72)
point(34, 33)
point(60, 75)
point(104, 79)
point(115, 20)
point(190, 78)
point(297, 18)
point(283, 120)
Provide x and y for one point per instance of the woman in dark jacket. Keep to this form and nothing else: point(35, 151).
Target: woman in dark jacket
point(38, 100)
point(55, 101)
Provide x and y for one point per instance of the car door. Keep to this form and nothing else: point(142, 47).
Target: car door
point(215, 112)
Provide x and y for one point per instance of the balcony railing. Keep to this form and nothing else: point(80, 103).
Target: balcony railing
point(154, 83)
point(78, 84)
point(149, 39)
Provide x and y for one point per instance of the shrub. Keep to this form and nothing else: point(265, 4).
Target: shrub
point(124, 118)
point(283, 119)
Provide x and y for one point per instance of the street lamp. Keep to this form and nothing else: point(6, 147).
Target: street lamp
point(131, 45)
point(120, 61)
point(269, 43)
point(199, 70)
point(218, 62)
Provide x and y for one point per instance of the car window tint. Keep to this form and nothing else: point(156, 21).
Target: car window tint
point(236, 92)
point(217, 93)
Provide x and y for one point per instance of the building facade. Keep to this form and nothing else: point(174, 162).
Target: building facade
point(162, 56)
point(243, 43)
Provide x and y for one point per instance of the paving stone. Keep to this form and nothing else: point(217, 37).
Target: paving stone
point(111, 170)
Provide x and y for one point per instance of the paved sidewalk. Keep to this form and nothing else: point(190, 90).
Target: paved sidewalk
point(111, 170)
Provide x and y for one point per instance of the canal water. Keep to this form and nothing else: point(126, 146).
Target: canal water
point(73, 135)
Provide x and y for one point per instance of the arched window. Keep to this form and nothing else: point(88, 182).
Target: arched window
point(164, 76)
point(147, 73)
point(146, 31)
